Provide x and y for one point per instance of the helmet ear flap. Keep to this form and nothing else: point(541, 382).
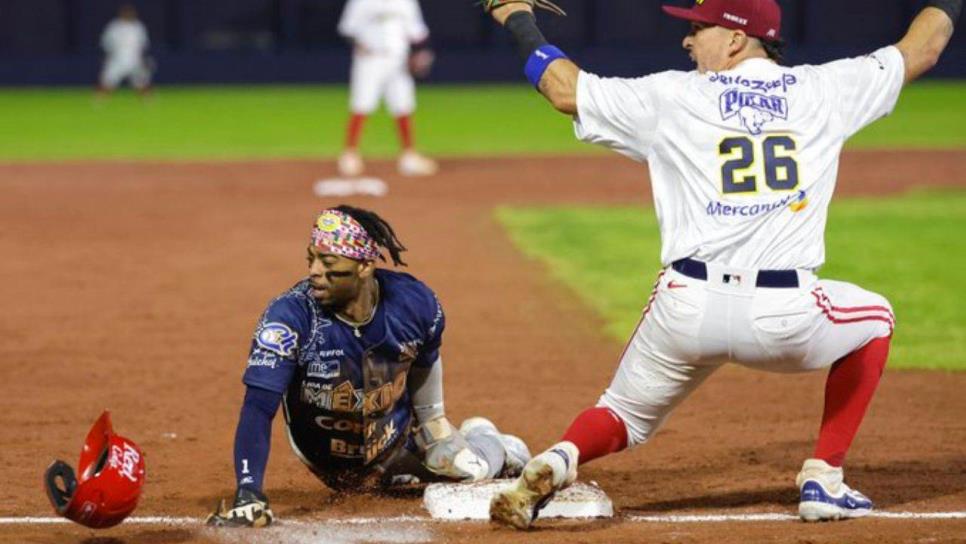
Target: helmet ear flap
point(60, 483)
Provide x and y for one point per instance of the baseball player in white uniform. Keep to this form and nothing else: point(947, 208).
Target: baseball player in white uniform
point(743, 156)
point(124, 41)
point(390, 43)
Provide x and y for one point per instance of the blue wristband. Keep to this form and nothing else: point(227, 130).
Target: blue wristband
point(539, 60)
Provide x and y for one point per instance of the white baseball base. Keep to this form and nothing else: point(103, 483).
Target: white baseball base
point(350, 186)
point(472, 501)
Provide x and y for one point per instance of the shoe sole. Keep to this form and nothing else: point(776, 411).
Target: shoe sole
point(812, 511)
point(514, 507)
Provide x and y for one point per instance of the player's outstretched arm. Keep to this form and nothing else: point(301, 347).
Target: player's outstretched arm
point(551, 72)
point(928, 36)
point(252, 442)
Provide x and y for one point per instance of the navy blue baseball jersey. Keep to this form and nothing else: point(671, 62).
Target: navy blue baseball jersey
point(344, 387)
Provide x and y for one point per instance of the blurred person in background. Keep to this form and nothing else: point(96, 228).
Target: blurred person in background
point(390, 46)
point(125, 41)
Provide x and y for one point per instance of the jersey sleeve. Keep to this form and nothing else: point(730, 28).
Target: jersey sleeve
point(416, 29)
point(279, 335)
point(864, 89)
point(435, 322)
point(107, 38)
point(351, 19)
point(617, 113)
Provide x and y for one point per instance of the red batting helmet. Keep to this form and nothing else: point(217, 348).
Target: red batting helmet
point(111, 476)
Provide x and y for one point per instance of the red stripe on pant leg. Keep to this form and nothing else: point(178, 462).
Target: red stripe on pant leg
point(848, 391)
point(647, 308)
point(884, 316)
point(597, 432)
point(821, 296)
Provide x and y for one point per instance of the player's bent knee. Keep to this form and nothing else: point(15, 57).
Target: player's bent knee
point(639, 429)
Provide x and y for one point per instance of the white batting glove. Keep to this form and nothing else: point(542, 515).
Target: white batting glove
point(448, 454)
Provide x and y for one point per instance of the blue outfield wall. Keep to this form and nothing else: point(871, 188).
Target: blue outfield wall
point(55, 42)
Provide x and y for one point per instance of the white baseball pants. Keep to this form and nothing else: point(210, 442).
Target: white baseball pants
point(691, 327)
point(117, 68)
point(374, 77)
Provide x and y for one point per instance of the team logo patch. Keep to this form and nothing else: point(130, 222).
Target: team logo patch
point(752, 109)
point(328, 222)
point(277, 338)
point(324, 369)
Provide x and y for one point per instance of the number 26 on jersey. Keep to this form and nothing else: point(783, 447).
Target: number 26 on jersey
point(743, 168)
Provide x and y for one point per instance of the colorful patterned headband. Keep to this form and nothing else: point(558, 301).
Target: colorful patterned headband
point(336, 232)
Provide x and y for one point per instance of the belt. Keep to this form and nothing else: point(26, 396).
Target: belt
point(766, 278)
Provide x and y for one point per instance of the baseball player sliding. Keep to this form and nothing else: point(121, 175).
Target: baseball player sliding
point(352, 354)
point(125, 41)
point(743, 155)
point(390, 44)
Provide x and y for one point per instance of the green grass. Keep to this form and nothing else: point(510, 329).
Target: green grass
point(909, 248)
point(307, 122)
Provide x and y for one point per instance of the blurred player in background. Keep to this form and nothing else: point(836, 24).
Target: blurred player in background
point(124, 41)
point(390, 45)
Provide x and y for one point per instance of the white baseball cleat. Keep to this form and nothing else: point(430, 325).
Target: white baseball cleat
point(411, 163)
point(824, 495)
point(517, 452)
point(350, 164)
point(553, 470)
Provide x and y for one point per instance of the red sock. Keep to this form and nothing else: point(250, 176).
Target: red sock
point(848, 391)
point(597, 432)
point(404, 122)
point(354, 130)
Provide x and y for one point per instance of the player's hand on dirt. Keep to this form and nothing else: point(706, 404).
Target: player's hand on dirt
point(448, 454)
point(501, 9)
point(250, 509)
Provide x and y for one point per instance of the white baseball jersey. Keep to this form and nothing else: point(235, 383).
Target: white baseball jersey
point(383, 27)
point(743, 163)
point(125, 40)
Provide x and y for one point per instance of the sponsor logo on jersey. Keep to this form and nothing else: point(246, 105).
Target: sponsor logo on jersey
point(260, 357)
point(341, 448)
point(341, 398)
point(753, 109)
point(437, 318)
point(374, 448)
point(800, 202)
point(408, 351)
point(329, 423)
point(324, 369)
point(796, 203)
point(385, 396)
point(758, 85)
point(278, 338)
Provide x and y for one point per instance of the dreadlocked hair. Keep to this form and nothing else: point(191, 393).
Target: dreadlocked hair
point(775, 49)
point(379, 230)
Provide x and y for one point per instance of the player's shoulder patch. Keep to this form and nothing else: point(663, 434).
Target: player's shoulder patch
point(277, 337)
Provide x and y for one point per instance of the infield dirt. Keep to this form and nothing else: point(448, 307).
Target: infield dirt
point(135, 287)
